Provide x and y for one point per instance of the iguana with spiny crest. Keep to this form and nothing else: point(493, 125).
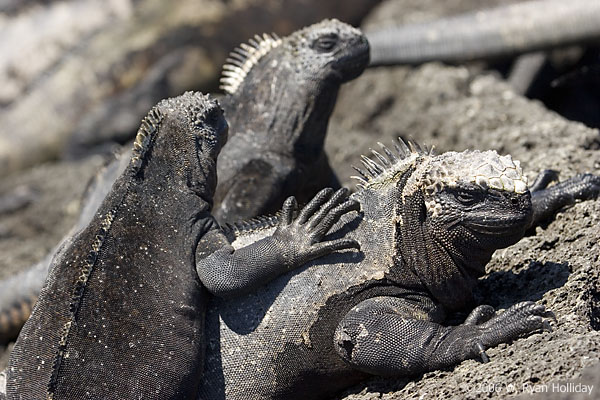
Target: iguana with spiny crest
point(126, 297)
point(280, 93)
point(428, 226)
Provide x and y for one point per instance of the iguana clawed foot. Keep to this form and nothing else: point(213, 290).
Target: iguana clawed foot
point(546, 200)
point(519, 320)
point(579, 187)
point(480, 315)
point(303, 235)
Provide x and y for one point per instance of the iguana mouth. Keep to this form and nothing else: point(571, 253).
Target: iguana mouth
point(352, 65)
point(500, 226)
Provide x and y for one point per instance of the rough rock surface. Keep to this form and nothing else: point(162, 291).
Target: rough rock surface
point(39, 206)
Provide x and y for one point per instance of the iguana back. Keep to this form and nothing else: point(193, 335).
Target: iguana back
point(125, 290)
point(427, 227)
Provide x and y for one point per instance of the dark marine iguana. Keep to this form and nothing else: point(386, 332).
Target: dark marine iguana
point(126, 297)
point(275, 146)
point(280, 95)
point(428, 226)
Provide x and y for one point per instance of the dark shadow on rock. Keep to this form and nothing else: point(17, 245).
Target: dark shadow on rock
point(501, 289)
point(378, 385)
point(595, 309)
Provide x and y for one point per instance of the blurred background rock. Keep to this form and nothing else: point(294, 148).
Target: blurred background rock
point(74, 74)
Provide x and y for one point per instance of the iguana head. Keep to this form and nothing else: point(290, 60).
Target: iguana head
point(328, 50)
point(179, 141)
point(287, 87)
point(452, 211)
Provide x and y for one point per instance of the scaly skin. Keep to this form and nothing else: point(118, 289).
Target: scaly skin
point(128, 294)
point(276, 140)
point(278, 112)
point(428, 226)
point(19, 292)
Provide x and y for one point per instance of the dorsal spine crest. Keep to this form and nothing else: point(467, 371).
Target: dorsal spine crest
point(251, 225)
point(380, 169)
point(243, 58)
point(76, 298)
point(145, 133)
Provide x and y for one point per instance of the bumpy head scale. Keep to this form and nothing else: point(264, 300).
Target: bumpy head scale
point(192, 105)
point(486, 169)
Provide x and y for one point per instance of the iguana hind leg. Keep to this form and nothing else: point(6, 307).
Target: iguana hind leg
point(383, 336)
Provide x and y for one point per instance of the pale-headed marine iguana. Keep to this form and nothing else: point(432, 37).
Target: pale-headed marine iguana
point(122, 312)
point(428, 225)
point(276, 137)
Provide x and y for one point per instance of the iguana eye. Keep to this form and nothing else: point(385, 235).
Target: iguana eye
point(326, 43)
point(465, 198)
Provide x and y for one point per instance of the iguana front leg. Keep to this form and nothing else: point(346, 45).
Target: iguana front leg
point(384, 336)
point(227, 272)
point(546, 200)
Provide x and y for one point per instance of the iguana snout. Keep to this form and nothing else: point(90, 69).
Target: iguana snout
point(337, 48)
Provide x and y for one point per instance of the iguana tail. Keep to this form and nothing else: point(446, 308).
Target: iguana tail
point(18, 295)
point(503, 31)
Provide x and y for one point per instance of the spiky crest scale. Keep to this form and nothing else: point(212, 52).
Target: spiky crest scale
point(379, 169)
point(252, 225)
point(243, 58)
point(147, 130)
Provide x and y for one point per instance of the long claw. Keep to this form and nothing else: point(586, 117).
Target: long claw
point(324, 248)
point(313, 205)
point(543, 179)
point(551, 315)
point(287, 211)
point(480, 315)
point(481, 352)
point(335, 214)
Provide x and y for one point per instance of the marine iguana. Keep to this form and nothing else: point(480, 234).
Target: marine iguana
point(504, 31)
point(280, 95)
point(427, 227)
point(127, 295)
point(275, 149)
